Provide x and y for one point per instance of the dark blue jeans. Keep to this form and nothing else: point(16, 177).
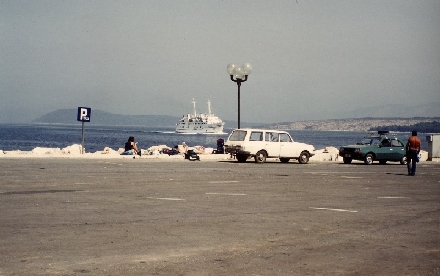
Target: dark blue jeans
point(411, 161)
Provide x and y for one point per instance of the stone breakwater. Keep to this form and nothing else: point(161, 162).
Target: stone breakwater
point(328, 154)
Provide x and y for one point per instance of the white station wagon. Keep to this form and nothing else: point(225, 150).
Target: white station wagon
point(263, 143)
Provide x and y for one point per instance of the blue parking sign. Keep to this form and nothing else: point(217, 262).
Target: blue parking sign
point(84, 114)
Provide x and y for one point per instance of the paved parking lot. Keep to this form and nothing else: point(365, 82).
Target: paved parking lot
point(149, 217)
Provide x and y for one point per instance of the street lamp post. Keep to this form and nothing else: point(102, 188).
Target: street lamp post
point(241, 75)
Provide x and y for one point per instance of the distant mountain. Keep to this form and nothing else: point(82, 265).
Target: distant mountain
point(99, 117)
point(359, 124)
point(430, 109)
point(396, 110)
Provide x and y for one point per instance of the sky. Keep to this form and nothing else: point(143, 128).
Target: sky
point(311, 59)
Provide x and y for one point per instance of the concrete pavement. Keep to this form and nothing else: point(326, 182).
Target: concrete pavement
point(149, 217)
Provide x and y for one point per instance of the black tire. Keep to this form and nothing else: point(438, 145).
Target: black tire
point(241, 158)
point(347, 160)
point(369, 159)
point(404, 160)
point(260, 157)
point(382, 162)
point(284, 160)
point(303, 157)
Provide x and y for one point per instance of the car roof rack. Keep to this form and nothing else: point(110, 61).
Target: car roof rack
point(387, 134)
point(383, 132)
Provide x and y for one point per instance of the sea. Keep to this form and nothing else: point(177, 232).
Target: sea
point(26, 137)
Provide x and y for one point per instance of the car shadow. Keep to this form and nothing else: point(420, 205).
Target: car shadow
point(404, 174)
point(374, 164)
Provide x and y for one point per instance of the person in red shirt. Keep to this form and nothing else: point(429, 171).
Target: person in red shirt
point(412, 150)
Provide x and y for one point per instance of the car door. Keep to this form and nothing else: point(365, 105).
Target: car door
point(398, 149)
point(385, 151)
point(287, 146)
point(256, 141)
point(272, 144)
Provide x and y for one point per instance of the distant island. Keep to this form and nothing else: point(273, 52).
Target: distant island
point(99, 117)
point(424, 127)
point(422, 124)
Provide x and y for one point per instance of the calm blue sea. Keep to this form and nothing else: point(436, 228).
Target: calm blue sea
point(96, 138)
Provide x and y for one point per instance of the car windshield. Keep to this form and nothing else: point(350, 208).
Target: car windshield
point(284, 137)
point(369, 141)
point(365, 141)
point(237, 135)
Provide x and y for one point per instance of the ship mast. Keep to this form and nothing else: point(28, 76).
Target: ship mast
point(194, 104)
point(209, 107)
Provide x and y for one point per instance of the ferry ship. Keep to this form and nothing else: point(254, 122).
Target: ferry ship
point(200, 123)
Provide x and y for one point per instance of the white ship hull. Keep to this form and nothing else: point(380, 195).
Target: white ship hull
point(200, 123)
point(197, 128)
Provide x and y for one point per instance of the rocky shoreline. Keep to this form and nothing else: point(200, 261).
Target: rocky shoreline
point(328, 154)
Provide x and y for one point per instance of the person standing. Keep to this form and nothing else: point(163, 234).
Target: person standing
point(412, 150)
point(185, 148)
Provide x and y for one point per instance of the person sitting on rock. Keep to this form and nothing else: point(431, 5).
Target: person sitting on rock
point(131, 147)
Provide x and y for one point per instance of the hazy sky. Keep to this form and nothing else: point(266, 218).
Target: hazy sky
point(311, 59)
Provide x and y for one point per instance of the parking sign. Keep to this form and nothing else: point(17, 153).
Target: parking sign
point(84, 114)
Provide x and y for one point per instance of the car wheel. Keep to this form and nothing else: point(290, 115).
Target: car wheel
point(260, 157)
point(241, 158)
point(382, 162)
point(284, 160)
point(347, 160)
point(369, 159)
point(303, 157)
point(404, 160)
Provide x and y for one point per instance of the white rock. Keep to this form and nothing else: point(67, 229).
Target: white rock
point(74, 149)
point(44, 151)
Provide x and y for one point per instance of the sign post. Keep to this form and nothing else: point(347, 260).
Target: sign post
point(84, 115)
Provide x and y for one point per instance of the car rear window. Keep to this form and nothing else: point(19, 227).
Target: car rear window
point(396, 143)
point(237, 135)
